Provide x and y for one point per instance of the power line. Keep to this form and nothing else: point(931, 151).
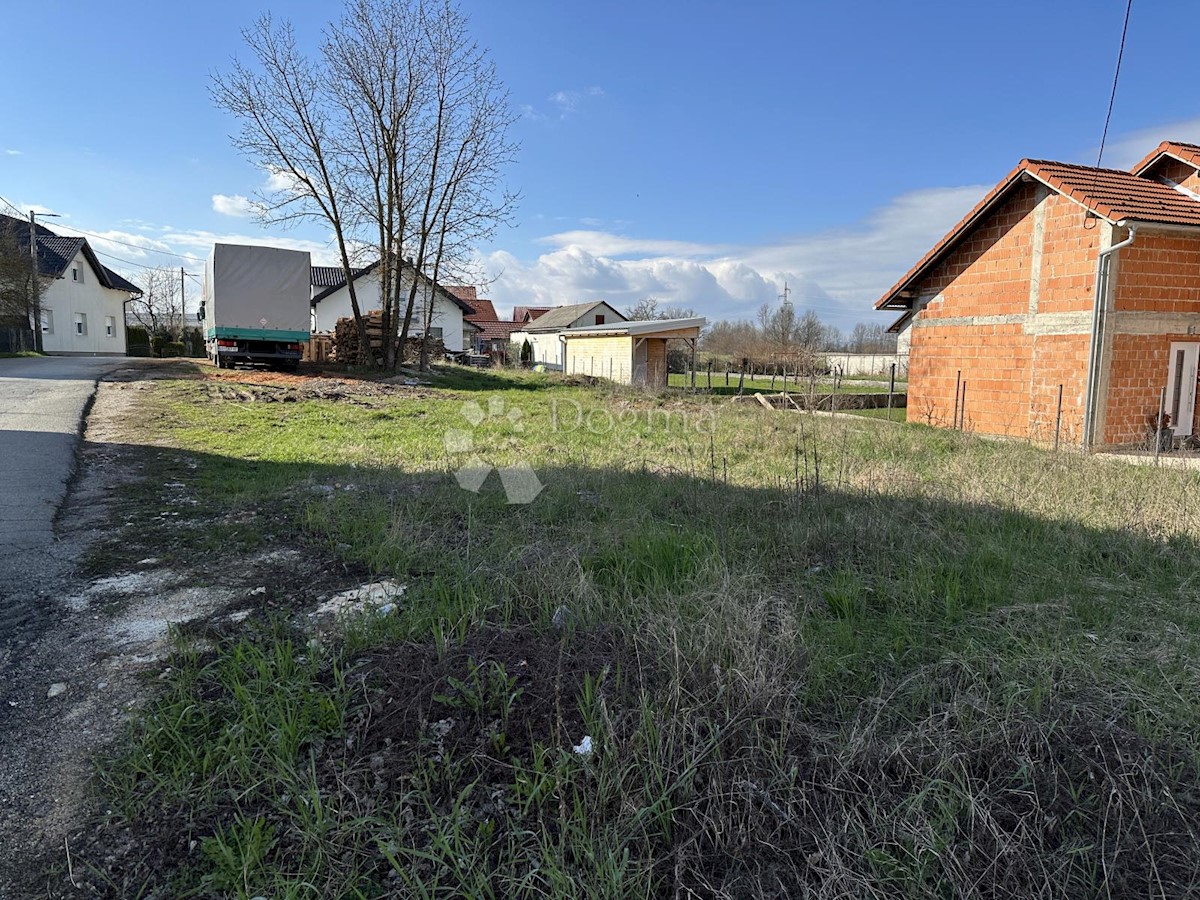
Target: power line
point(1112, 98)
point(141, 247)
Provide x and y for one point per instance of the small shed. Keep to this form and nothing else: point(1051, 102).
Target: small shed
point(628, 352)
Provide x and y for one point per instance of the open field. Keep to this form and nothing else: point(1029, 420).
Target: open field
point(812, 656)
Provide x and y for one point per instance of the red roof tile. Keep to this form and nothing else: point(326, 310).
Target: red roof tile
point(1117, 195)
point(529, 313)
point(1113, 194)
point(482, 310)
point(496, 331)
point(1189, 153)
point(462, 291)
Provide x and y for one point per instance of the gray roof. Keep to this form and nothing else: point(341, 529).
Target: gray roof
point(559, 317)
point(55, 252)
point(332, 278)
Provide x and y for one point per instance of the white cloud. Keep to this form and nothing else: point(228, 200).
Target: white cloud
point(565, 103)
point(233, 205)
point(839, 273)
point(9, 152)
point(280, 181)
point(1132, 146)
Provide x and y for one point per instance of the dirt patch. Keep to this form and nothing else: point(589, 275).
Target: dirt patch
point(514, 681)
point(249, 387)
point(71, 684)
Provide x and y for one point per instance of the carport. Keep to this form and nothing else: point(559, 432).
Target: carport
point(628, 352)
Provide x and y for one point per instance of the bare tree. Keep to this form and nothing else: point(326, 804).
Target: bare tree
point(290, 128)
point(159, 309)
point(15, 272)
point(647, 308)
point(396, 135)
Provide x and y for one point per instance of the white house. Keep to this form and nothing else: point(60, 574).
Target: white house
point(331, 301)
point(83, 301)
point(544, 332)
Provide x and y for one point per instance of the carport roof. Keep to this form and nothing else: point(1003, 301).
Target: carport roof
point(666, 328)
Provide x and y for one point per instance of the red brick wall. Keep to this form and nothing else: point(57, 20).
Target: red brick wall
point(1159, 273)
point(988, 273)
point(994, 360)
point(1069, 247)
point(1139, 370)
point(1058, 359)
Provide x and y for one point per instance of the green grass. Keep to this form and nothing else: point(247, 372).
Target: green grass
point(815, 656)
point(21, 354)
point(896, 414)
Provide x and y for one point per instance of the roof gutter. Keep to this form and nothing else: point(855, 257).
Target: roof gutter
point(1103, 268)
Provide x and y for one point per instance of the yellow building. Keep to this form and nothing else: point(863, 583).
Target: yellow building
point(627, 352)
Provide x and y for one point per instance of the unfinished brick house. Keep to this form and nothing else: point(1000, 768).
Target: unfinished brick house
point(1070, 276)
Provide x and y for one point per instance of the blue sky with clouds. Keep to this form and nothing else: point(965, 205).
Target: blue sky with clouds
point(701, 152)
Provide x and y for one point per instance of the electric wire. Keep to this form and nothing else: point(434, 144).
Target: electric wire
point(1112, 97)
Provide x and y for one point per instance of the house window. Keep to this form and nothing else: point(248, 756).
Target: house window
point(47, 321)
point(435, 333)
point(81, 324)
point(599, 320)
point(77, 273)
point(110, 326)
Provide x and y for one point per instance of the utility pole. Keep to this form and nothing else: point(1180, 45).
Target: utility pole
point(34, 304)
point(182, 302)
point(786, 291)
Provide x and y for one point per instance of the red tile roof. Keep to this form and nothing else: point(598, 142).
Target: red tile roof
point(1117, 195)
point(1189, 153)
point(497, 331)
point(529, 313)
point(482, 310)
point(462, 291)
point(1114, 194)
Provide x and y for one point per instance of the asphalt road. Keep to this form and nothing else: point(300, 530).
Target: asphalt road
point(41, 403)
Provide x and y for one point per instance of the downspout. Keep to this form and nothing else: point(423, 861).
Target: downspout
point(1093, 371)
point(562, 340)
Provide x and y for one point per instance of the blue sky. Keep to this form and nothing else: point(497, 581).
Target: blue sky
point(699, 152)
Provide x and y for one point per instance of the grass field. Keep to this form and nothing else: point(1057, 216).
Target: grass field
point(814, 657)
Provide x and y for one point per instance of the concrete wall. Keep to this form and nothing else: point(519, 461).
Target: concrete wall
point(78, 298)
point(447, 315)
point(870, 363)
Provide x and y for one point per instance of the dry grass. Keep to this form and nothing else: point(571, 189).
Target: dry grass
point(856, 659)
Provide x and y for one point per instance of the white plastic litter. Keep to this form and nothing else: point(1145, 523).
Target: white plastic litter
point(584, 747)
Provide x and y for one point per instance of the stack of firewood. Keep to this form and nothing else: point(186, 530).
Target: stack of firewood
point(346, 347)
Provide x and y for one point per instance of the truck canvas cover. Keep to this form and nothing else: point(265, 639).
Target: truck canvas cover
point(257, 293)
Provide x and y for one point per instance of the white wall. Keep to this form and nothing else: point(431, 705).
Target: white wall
point(547, 348)
point(447, 315)
point(69, 298)
point(869, 363)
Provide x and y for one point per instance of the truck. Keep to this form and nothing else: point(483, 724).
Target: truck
point(256, 308)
